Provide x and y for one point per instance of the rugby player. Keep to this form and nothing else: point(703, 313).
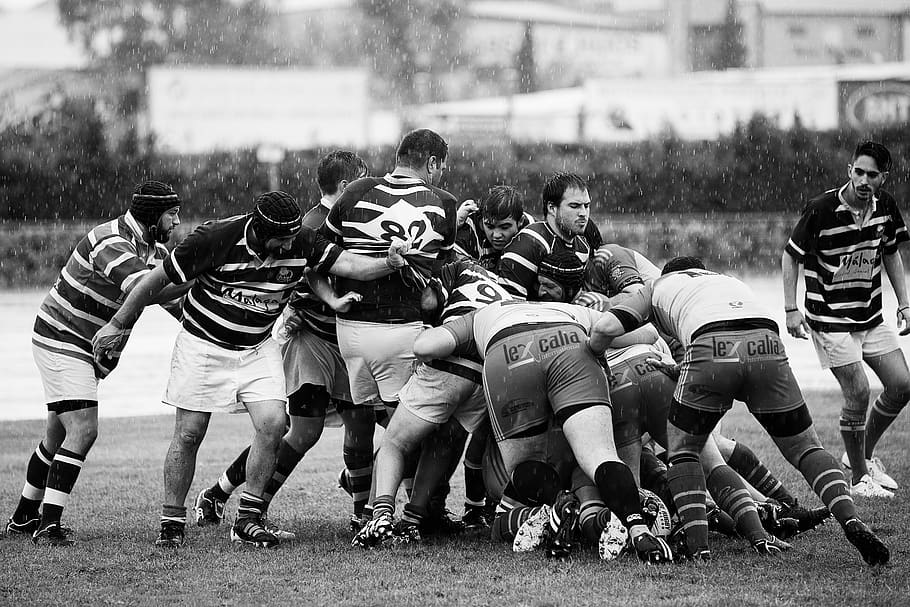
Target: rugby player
point(224, 358)
point(536, 374)
point(315, 376)
point(105, 265)
point(843, 239)
point(732, 351)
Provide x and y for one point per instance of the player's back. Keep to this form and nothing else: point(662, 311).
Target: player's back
point(684, 301)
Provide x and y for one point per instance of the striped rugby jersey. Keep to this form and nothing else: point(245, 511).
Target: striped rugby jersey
point(368, 216)
point(518, 267)
point(318, 317)
point(471, 241)
point(106, 264)
point(467, 287)
point(843, 261)
point(238, 295)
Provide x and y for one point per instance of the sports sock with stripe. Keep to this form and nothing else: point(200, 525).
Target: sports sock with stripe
point(821, 471)
point(61, 478)
point(731, 494)
point(35, 482)
point(288, 458)
point(687, 482)
point(747, 464)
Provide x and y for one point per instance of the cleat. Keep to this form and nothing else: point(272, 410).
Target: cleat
point(250, 531)
point(209, 510)
point(876, 470)
point(475, 518)
point(872, 549)
point(344, 483)
point(774, 522)
point(720, 522)
point(652, 549)
point(376, 531)
point(806, 518)
point(27, 527)
point(356, 523)
point(613, 539)
point(563, 519)
point(866, 487)
point(770, 546)
point(404, 532)
point(52, 535)
point(441, 522)
point(532, 532)
point(275, 530)
point(171, 535)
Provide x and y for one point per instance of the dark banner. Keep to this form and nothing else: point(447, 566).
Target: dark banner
point(872, 104)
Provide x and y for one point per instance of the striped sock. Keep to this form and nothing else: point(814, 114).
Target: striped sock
point(251, 506)
point(288, 458)
point(383, 504)
point(821, 471)
point(234, 475)
point(687, 482)
point(61, 478)
point(413, 515)
point(747, 464)
point(881, 415)
point(359, 480)
point(732, 496)
point(35, 481)
point(173, 515)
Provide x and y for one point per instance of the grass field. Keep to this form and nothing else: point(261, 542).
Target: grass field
point(115, 507)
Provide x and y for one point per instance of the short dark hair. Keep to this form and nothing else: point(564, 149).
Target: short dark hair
point(502, 202)
point(556, 185)
point(682, 263)
point(417, 146)
point(877, 152)
point(340, 165)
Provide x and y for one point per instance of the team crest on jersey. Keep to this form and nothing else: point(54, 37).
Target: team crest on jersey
point(284, 275)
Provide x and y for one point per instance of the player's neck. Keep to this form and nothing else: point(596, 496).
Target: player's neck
point(405, 171)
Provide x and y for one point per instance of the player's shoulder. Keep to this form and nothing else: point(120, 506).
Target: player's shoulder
point(358, 189)
point(825, 202)
point(315, 216)
point(446, 198)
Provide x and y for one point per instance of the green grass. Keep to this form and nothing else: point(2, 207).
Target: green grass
point(115, 508)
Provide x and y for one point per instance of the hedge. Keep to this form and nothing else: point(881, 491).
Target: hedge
point(61, 172)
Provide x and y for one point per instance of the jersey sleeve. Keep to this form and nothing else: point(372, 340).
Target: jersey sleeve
point(117, 259)
point(634, 310)
point(320, 254)
point(462, 329)
point(518, 266)
point(200, 251)
point(612, 270)
point(466, 239)
point(803, 237)
point(897, 232)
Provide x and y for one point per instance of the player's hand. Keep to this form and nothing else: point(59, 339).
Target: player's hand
point(667, 366)
point(464, 209)
point(797, 325)
point(292, 323)
point(903, 320)
point(397, 250)
point(107, 341)
point(344, 303)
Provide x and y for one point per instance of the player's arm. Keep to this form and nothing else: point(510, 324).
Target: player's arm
point(518, 266)
point(646, 334)
point(361, 267)
point(322, 288)
point(634, 312)
point(441, 341)
point(894, 267)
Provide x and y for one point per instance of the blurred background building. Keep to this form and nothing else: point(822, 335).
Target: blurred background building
point(190, 76)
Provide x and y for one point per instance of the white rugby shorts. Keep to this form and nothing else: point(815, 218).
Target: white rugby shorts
point(841, 349)
point(379, 357)
point(208, 378)
point(65, 377)
point(436, 396)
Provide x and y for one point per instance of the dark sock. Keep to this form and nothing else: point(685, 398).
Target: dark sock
point(821, 471)
point(35, 482)
point(687, 482)
point(288, 458)
point(747, 464)
point(733, 498)
point(61, 478)
point(617, 487)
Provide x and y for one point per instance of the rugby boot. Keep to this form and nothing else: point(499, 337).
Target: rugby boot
point(209, 510)
point(52, 535)
point(250, 531)
point(872, 549)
